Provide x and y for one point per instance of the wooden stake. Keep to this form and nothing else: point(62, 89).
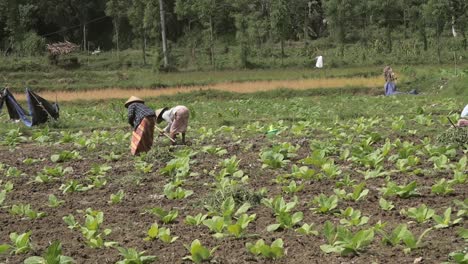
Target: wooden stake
point(162, 131)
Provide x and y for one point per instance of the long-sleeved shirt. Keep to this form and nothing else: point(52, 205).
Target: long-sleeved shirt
point(136, 113)
point(169, 116)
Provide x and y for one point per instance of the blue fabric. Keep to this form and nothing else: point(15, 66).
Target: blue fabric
point(390, 88)
point(39, 108)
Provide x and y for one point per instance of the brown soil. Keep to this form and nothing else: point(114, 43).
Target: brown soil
point(129, 223)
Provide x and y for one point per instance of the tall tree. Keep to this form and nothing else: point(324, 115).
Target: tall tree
point(340, 16)
point(280, 22)
point(117, 9)
point(136, 17)
point(437, 14)
point(163, 33)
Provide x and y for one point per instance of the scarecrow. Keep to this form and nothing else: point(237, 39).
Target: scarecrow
point(142, 119)
point(177, 120)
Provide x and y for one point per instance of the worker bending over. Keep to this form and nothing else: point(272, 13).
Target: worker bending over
point(142, 119)
point(177, 120)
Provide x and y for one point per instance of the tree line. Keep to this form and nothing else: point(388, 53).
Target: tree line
point(26, 25)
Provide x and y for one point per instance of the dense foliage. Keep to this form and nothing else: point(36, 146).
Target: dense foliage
point(213, 27)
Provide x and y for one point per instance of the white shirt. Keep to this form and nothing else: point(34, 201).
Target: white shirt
point(464, 113)
point(169, 116)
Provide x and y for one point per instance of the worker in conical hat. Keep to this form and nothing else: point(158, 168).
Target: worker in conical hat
point(142, 119)
point(177, 120)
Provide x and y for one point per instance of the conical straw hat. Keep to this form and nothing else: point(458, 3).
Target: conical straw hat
point(133, 99)
point(159, 114)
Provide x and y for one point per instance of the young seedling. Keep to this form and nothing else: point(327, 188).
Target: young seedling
point(172, 192)
point(274, 251)
point(273, 160)
point(307, 229)
point(286, 221)
point(165, 216)
point(164, 234)
point(26, 211)
point(445, 220)
point(293, 187)
point(54, 202)
point(20, 244)
point(386, 205)
point(195, 220)
point(325, 204)
point(117, 198)
point(421, 214)
point(53, 255)
point(343, 241)
point(199, 253)
point(403, 191)
point(442, 187)
point(278, 204)
point(352, 217)
point(132, 256)
point(64, 156)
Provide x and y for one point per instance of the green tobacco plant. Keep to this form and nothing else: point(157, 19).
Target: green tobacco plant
point(132, 256)
point(172, 192)
point(65, 155)
point(421, 214)
point(143, 167)
point(231, 165)
point(165, 216)
point(279, 205)
point(307, 229)
point(459, 257)
point(20, 244)
point(54, 202)
point(53, 255)
point(216, 224)
point(402, 191)
point(402, 234)
point(386, 205)
point(14, 172)
point(117, 198)
point(293, 187)
point(73, 186)
point(49, 174)
point(238, 229)
point(273, 160)
point(273, 251)
point(285, 220)
point(445, 221)
point(91, 230)
point(343, 241)
point(442, 187)
point(303, 173)
point(286, 149)
point(195, 220)
point(163, 234)
point(352, 217)
point(25, 210)
point(214, 150)
point(324, 204)
point(199, 253)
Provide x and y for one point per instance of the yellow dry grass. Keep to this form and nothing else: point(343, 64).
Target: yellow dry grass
point(238, 87)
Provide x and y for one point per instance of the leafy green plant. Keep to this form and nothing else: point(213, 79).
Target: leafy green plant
point(54, 201)
point(285, 221)
point(386, 205)
point(132, 256)
point(144, 167)
point(402, 234)
point(49, 174)
point(459, 257)
point(20, 244)
point(343, 241)
point(14, 172)
point(65, 155)
point(199, 253)
point(165, 216)
point(172, 192)
point(442, 187)
point(91, 230)
point(53, 255)
point(73, 186)
point(403, 191)
point(279, 205)
point(238, 229)
point(117, 198)
point(195, 220)
point(303, 173)
point(30, 161)
point(293, 187)
point(26, 211)
point(317, 158)
point(216, 224)
point(273, 160)
point(352, 217)
point(421, 214)
point(324, 204)
point(273, 251)
point(307, 229)
point(164, 234)
point(218, 151)
point(445, 221)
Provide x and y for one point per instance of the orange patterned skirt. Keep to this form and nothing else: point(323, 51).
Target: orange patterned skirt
point(142, 137)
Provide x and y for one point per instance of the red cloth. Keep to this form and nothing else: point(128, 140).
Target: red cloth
point(142, 137)
point(462, 122)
